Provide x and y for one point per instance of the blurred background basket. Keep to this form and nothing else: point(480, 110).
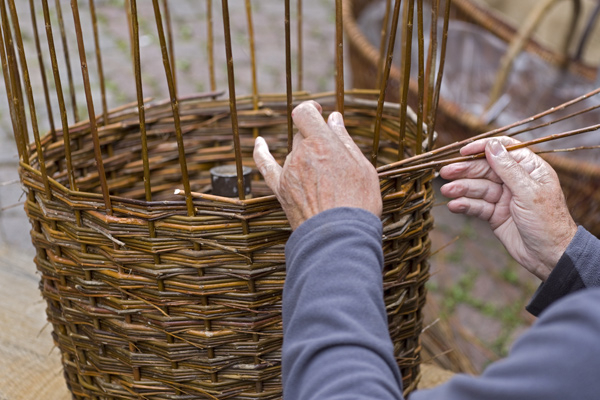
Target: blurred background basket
point(157, 287)
point(496, 74)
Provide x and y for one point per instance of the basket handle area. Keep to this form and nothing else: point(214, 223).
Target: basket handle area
point(531, 23)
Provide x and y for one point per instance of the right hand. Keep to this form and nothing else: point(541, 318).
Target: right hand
point(519, 194)
point(324, 170)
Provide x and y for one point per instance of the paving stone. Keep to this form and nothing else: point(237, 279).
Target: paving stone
point(14, 232)
point(486, 328)
point(493, 291)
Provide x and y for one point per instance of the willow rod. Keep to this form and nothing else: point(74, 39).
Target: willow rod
point(38, 48)
point(65, 46)
point(210, 45)
point(430, 73)
point(405, 72)
point(128, 12)
point(175, 108)
point(420, 77)
point(60, 96)
point(251, 43)
point(9, 96)
point(16, 90)
point(384, 81)
point(171, 43)
point(454, 146)
point(30, 98)
point(99, 62)
point(438, 82)
point(545, 124)
point(232, 101)
point(382, 43)
point(90, 107)
point(300, 50)
point(440, 163)
point(288, 76)
point(339, 56)
point(140, 96)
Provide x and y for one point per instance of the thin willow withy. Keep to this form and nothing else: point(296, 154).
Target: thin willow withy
point(438, 164)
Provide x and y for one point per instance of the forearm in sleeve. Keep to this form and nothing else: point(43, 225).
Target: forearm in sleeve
point(336, 339)
point(557, 359)
point(578, 268)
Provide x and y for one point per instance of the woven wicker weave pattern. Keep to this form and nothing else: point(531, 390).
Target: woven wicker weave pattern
point(152, 302)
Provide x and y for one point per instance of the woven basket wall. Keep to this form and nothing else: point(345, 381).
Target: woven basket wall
point(155, 295)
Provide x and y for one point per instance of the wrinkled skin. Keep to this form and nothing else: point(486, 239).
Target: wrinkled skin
point(324, 170)
point(520, 196)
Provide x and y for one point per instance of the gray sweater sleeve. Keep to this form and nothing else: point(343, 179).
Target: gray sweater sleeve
point(336, 343)
point(578, 268)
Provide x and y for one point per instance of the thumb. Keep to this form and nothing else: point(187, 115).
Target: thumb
point(513, 175)
point(266, 164)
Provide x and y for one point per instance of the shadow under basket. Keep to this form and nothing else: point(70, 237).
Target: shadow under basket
point(149, 302)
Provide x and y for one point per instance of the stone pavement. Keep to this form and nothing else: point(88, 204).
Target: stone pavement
point(477, 286)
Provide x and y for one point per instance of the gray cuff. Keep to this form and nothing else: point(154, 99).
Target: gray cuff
point(578, 268)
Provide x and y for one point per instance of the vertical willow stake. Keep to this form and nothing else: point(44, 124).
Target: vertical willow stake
point(30, 98)
point(38, 48)
point(252, 61)
point(288, 75)
point(384, 27)
point(65, 46)
point(405, 72)
point(175, 108)
point(300, 49)
point(171, 43)
point(9, 96)
point(430, 73)
point(438, 82)
point(15, 82)
point(232, 101)
point(60, 96)
point(90, 107)
point(384, 81)
point(420, 78)
point(99, 62)
point(339, 56)
point(137, 69)
point(210, 46)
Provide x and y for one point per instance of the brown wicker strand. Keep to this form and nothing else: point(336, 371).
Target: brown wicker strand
point(383, 84)
point(90, 106)
point(42, 67)
point(288, 75)
point(405, 71)
point(175, 107)
point(65, 46)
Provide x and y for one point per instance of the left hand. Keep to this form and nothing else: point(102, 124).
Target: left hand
point(324, 170)
point(520, 196)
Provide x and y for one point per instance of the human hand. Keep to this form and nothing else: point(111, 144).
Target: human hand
point(324, 170)
point(519, 194)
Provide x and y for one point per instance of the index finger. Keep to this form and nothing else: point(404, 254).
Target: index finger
point(307, 117)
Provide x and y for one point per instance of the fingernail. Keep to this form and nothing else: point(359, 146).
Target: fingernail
point(496, 148)
point(336, 118)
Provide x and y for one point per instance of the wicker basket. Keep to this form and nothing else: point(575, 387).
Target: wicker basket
point(157, 295)
point(154, 303)
point(580, 179)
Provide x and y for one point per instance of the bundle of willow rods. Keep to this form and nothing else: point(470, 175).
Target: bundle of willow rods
point(156, 287)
